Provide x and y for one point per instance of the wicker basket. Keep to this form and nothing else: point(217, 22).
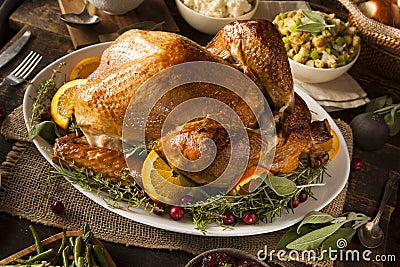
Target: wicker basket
point(381, 47)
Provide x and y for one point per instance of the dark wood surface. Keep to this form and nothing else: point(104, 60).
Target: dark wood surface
point(51, 39)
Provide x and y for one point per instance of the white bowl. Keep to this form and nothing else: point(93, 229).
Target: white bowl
point(116, 7)
point(207, 24)
point(318, 75)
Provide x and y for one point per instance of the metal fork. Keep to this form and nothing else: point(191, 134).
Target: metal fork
point(21, 72)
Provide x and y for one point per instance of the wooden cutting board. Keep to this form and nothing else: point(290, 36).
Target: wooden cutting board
point(151, 10)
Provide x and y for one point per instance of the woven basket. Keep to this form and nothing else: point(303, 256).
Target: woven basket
point(381, 43)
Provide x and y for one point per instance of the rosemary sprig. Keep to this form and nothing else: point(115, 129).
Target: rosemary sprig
point(112, 193)
point(264, 201)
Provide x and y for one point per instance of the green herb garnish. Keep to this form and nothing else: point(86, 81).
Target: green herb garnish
point(316, 25)
point(45, 91)
point(385, 107)
point(320, 231)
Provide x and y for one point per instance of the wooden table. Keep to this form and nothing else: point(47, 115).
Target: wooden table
point(51, 39)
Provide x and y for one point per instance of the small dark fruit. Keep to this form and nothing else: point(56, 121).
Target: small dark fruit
point(356, 164)
point(45, 116)
point(159, 209)
point(176, 213)
point(186, 199)
point(249, 217)
point(369, 131)
point(228, 218)
point(57, 207)
point(296, 203)
point(303, 197)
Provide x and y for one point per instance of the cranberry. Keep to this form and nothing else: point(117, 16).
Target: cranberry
point(186, 199)
point(228, 218)
point(3, 114)
point(46, 116)
point(356, 164)
point(57, 207)
point(158, 209)
point(216, 259)
point(296, 203)
point(249, 217)
point(303, 197)
point(176, 213)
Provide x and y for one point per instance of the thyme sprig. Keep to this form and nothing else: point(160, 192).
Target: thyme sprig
point(264, 201)
point(45, 91)
point(113, 194)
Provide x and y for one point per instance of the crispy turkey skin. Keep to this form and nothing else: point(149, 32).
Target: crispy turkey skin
point(254, 47)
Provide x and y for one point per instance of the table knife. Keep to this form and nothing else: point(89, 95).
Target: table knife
point(14, 48)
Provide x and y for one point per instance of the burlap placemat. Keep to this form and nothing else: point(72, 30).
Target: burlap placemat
point(27, 192)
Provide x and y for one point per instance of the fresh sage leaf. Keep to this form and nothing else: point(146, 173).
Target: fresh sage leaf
point(311, 27)
point(376, 104)
point(143, 25)
point(46, 129)
point(393, 122)
point(338, 240)
point(315, 217)
point(313, 16)
point(292, 235)
point(314, 239)
point(280, 185)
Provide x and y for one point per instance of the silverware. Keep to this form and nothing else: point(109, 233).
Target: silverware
point(371, 234)
point(83, 18)
point(14, 48)
point(21, 72)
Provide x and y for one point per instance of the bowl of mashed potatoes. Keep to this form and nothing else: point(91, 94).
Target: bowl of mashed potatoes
point(320, 47)
point(210, 16)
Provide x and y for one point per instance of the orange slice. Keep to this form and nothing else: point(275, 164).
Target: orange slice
point(242, 186)
point(84, 68)
point(332, 145)
point(160, 182)
point(62, 104)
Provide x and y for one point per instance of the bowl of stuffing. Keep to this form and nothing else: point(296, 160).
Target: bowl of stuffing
point(210, 16)
point(320, 47)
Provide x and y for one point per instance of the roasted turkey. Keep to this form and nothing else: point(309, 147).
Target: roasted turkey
point(253, 47)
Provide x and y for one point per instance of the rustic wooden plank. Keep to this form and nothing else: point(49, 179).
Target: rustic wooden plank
point(42, 14)
point(154, 10)
point(54, 242)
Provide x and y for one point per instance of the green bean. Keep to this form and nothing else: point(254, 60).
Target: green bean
point(81, 262)
point(87, 238)
point(86, 228)
point(48, 254)
point(77, 249)
point(71, 241)
point(88, 255)
point(58, 259)
point(38, 243)
point(99, 256)
point(65, 253)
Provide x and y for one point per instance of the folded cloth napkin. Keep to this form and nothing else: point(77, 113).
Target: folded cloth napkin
point(341, 93)
point(269, 9)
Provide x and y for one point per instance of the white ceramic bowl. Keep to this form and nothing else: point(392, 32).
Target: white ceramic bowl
point(116, 7)
point(207, 24)
point(318, 75)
